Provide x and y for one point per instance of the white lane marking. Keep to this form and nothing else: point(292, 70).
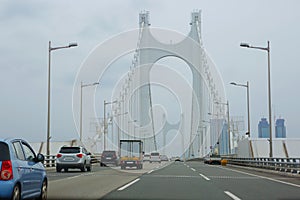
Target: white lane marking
point(129, 184)
point(188, 166)
point(150, 171)
point(263, 177)
point(193, 169)
point(232, 195)
point(204, 177)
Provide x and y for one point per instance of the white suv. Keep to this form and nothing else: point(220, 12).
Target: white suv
point(155, 157)
point(73, 157)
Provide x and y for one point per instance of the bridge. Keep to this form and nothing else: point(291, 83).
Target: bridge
point(202, 128)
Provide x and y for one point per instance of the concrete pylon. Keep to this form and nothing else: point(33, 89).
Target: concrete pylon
point(190, 50)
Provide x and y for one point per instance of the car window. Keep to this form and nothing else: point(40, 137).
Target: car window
point(4, 151)
point(29, 154)
point(84, 151)
point(109, 153)
point(154, 154)
point(18, 151)
point(69, 150)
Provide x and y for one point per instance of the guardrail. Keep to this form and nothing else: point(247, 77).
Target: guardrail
point(50, 160)
point(291, 165)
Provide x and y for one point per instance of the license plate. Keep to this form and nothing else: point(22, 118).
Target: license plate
point(69, 159)
point(129, 162)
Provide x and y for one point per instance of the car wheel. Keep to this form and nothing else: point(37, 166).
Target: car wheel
point(83, 168)
point(58, 169)
point(44, 189)
point(89, 168)
point(16, 195)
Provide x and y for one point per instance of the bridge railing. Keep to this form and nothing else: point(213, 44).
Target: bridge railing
point(50, 161)
point(291, 165)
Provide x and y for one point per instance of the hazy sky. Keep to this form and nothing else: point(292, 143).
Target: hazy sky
point(27, 26)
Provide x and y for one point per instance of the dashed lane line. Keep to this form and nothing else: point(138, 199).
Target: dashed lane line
point(193, 169)
point(204, 177)
point(232, 195)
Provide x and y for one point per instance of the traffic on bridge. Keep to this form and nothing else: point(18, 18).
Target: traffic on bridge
point(135, 107)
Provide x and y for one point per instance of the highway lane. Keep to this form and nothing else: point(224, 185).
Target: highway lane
point(75, 184)
point(195, 180)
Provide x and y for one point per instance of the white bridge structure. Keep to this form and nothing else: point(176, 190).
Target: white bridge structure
point(207, 93)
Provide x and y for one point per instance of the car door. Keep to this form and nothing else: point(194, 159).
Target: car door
point(35, 168)
point(22, 168)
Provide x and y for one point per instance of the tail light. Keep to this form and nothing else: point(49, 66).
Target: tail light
point(80, 155)
point(58, 155)
point(6, 172)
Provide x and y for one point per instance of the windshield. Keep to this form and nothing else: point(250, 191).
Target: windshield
point(109, 153)
point(70, 150)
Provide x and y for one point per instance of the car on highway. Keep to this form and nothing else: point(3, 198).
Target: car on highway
point(155, 157)
point(76, 157)
point(22, 173)
point(109, 157)
point(146, 158)
point(164, 158)
point(213, 160)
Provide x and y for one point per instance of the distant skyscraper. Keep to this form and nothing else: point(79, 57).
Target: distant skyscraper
point(280, 130)
point(263, 128)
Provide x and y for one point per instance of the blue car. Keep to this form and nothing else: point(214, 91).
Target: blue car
point(22, 174)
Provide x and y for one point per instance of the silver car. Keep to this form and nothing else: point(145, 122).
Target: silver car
point(74, 158)
point(155, 157)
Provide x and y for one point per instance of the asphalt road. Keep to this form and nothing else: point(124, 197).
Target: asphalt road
point(194, 180)
point(75, 184)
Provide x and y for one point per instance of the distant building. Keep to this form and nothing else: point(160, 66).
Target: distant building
point(263, 128)
point(280, 130)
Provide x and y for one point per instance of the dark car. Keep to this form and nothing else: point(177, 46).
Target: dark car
point(109, 158)
point(22, 173)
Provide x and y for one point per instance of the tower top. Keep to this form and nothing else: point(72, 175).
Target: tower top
point(144, 18)
point(196, 17)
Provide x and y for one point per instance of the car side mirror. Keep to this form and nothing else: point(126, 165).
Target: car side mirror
point(40, 158)
point(89, 153)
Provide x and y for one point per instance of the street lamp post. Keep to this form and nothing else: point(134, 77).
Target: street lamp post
point(119, 124)
point(104, 119)
point(133, 121)
point(248, 102)
point(269, 87)
point(49, 89)
point(82, 86)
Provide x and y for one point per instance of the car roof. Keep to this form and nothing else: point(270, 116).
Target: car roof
point(10, 139)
